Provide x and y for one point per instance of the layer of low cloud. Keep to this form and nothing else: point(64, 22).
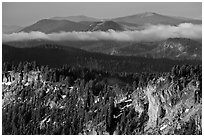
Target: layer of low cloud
point(150, 33)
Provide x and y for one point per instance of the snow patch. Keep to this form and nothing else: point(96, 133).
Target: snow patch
point(163, 127)
point(186, 110)
point(63, 96)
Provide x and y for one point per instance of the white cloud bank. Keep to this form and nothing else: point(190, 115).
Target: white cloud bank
point(151, 33)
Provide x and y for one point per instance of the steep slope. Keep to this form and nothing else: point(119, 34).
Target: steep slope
point(172, 105)
point(50, 26)
point(77, 18)
point(154, 18)
point(178, 48)
point(105, 26)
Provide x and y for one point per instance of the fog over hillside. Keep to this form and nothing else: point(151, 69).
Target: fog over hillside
point(150, 33)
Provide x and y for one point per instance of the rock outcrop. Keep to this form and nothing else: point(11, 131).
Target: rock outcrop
point(168, 107)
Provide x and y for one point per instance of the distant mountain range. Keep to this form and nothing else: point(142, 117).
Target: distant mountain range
point(84, 23)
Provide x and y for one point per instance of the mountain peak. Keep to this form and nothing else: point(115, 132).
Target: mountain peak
point(51, 25)
point(77, 18)
point(155, 19)
point(147, 14)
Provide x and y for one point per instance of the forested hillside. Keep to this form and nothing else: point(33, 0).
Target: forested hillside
point(78, 100)
point(56, 56)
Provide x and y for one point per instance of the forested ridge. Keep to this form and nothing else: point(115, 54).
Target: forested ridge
point(56, 56)
point(80, 100)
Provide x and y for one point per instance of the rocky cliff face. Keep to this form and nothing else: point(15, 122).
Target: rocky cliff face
point(170, 108)
point(154, 105)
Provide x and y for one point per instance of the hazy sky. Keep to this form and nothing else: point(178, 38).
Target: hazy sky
point(23, 14)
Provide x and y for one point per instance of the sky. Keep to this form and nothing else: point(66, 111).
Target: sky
point(24, 14)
